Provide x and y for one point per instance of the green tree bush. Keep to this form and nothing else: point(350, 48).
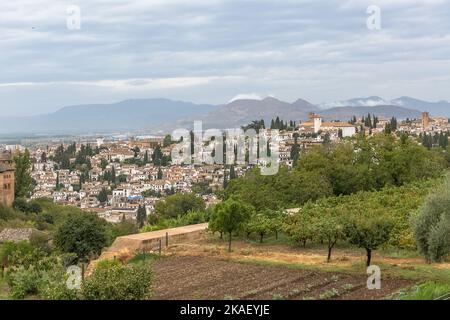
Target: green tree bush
point(230, 216)
point(84, 234)
point(432, 224)
point(115, 281)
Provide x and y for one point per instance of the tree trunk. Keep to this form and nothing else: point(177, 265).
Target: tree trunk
point(330, 248)
point(229, 243)
point(276, 234)
point(304, 243)
point(369, 256)
point(221, 235)
point(261, 238)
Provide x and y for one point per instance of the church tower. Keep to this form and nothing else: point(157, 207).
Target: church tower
point(7, 179)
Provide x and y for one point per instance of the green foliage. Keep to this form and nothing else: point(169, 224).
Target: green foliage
point(27, 267)
point(328, 220)
point(167, 140)
point(23, 282)
point(143, 258)
point(368, 231)
point(6, 213)
point(190, 218)
point(265, 222)
point(230, 216)
point(330, 227)
point(425, 291)
point(114, 281)
point(21, 254)
point(103, 195)
point(53, 285)
point(201, 188)
point(151, 193)
point(123, 228)
point(260, 224)
point(360, 164)
point(285, 189)
point(141, 216)
point(372, 163)
point(23, 181)
point(179, 204)
point(26, 207)
point(158, 158)
point(432, 224)
point(300, 227)
point(83, 234)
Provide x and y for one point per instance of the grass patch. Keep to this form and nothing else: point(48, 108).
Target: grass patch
point(425, 291)
point(415, 272)
point(419, 272)
point(144, 257)
point(300, 266)
point(399, 253)
point(4, 290)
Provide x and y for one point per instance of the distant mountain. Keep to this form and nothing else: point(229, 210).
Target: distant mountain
point(440, 108)
point(241, 112)
point(128, 115)
point(346, 113)
point(161, 116)
point(357, 102)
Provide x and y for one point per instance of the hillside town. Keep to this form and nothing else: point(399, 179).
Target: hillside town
point(114, 177)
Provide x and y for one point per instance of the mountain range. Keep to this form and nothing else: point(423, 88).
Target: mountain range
point(160, 116)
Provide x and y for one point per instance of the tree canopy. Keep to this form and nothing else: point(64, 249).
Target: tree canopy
point(84, 234)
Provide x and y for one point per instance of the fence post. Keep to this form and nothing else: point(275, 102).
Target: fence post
point(159, 246)
point(167, 239)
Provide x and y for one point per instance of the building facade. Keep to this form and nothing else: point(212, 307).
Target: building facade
point(6, 179)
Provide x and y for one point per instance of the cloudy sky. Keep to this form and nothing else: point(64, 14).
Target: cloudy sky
point(210, 51)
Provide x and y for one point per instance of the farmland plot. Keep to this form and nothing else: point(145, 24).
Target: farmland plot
point(195, 277)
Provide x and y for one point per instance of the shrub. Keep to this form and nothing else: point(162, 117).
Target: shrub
point(113, 281)
point(84, 234)
point(432, 224)
point(53, 285)
point(23, 281)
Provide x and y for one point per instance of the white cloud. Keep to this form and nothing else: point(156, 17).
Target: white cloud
point(130, 84)
point(209, 50)
point(246, 96)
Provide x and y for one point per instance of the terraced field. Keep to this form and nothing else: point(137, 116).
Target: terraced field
point(196, 277)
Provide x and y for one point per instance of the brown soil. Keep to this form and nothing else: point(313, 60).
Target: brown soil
point(201, 277)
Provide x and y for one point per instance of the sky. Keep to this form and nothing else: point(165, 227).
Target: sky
point(213, 51)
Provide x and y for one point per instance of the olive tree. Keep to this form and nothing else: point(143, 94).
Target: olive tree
point(230, 216)
point(432, 224)
point(368, 232)
point(260, 224)
point(329, 228)
point(300, 227)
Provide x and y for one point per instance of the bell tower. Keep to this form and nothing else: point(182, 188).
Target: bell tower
point(7, 179)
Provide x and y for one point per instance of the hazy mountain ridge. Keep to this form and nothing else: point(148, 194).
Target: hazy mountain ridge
point(440, 108)
point(128, 115)
point(164, 115)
